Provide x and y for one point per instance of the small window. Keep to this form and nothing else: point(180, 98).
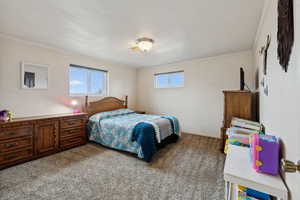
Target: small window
point(169, 79)
point(87, 81)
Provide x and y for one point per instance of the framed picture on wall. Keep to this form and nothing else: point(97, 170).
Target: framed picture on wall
point(34, 76)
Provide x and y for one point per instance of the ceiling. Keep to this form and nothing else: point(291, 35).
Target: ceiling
point(105, 29)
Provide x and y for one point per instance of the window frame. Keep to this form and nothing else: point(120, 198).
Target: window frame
point(88, 78)
point(168, 86)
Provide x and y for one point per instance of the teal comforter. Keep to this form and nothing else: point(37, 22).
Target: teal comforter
point(114, 129)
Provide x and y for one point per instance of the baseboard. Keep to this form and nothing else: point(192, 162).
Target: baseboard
point(202, 135)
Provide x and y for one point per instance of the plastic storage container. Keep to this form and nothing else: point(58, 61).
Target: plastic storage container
point(265, 153)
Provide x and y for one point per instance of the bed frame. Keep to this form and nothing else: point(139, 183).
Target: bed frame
point(105, 104)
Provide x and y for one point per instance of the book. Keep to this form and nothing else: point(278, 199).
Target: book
point(239, 130)
point(246, 124)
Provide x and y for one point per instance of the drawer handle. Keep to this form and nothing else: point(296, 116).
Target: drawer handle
point(11, 145)
point(73, 131)
point(71, 123)
point(11, 133)
point(74, 140)
point(11, 156)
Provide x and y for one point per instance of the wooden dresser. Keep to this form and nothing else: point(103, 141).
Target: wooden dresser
point(238, 103)
point(29, 138)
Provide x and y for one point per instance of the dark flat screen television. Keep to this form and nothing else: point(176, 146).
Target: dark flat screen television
point(242, 79)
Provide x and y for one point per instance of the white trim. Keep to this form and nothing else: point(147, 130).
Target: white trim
point(107, 83)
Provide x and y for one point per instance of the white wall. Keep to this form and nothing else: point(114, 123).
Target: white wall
point(199, 104)
point(56, 99)
point(280, 109)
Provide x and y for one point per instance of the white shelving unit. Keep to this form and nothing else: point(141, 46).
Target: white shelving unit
point(238, 171)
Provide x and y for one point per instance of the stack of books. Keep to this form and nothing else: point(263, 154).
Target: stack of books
point(246, 124)
point(244, 193)
point(240, 130)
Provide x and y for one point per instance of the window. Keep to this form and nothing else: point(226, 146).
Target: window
point(87, 81)
point(169, 79)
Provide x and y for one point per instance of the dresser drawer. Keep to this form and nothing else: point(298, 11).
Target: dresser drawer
point(13, 145)
point(72, 122)
point(67, 133)
point(15, 132)
point(72, 142)
point(15, 156)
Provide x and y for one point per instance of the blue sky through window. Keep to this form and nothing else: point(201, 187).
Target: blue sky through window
point(97, 82)
point(163, 80)
point(176, 79)
point(85, 81)
point(167, 80)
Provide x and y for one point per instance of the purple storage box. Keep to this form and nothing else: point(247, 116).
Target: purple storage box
point(265, 153)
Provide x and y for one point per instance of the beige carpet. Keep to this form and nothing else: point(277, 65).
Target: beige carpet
point(189, 169)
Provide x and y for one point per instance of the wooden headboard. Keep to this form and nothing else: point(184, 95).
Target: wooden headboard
point(105, 104)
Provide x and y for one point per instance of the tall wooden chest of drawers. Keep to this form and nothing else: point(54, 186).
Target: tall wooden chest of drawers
point(33, 137)
point(241, 104)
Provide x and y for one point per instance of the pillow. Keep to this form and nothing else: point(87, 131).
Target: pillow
point(109, 114)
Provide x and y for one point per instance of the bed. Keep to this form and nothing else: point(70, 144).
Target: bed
point(113, 125)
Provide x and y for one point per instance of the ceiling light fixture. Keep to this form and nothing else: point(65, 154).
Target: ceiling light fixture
point(143, 44)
